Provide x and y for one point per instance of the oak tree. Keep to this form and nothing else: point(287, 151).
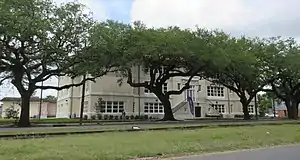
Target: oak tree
point(39, 40)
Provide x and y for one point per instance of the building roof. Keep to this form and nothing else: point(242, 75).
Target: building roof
point(34, 99)
point(281, 106)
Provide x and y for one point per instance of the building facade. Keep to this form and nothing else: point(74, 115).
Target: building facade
point(48, 107)
point(208, 99)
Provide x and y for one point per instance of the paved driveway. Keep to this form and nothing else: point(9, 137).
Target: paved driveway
point(276, 153)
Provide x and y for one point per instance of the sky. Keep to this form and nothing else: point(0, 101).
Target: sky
point(261, 18)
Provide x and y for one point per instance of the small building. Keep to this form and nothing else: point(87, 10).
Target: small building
point(48, 107)
point(281, 110)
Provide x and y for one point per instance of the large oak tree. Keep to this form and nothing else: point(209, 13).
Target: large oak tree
point(167, 53)
point(243, 71)
point(283, 65)
point(39, 40)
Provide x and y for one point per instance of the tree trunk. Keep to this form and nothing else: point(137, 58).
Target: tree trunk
point(289, 108)
point(168, 114)
point(245, 105)
point(294, 110)
point(24, 120)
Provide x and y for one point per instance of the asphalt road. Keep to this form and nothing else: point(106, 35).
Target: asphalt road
point(276, 153)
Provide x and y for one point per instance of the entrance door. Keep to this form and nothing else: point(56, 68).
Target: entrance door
point(197, 111)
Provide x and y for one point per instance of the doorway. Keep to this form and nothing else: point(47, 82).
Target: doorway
point(197, 111)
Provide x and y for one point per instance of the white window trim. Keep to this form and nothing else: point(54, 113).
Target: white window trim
point(112, 107)
point(212, 88)
point(153, 103)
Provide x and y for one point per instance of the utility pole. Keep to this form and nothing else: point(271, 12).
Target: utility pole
point(82, 100)
point(255, 101)
point(274, 111)
point(139, 89)
point(41, 101)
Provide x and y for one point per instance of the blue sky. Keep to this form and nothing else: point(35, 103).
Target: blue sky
point(118, 9)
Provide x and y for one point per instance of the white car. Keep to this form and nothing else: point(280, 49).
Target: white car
point(271, 115)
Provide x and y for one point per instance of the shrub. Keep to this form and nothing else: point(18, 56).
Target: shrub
point(117, 117)
point(137, 117)
point(106, 117)
point(146, 117)
point(99, 116)
point(85, 117)
point(127, 117)
point(132, 117)
point(93, 117)
point(111, 117)
point(11, 112)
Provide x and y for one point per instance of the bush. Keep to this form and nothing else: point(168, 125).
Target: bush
point(106, 117)
point(127, 117)
point(117, 117)
point(132, 117)
point(99, 116)
point(146, 117)
point(93, 117)
point(111, 117)
point(85, 117)
point(11, 112)
point(137, 117)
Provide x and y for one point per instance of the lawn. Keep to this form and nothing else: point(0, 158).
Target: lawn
point(128, 145)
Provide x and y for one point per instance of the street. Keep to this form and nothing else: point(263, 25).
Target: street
point(276, 153)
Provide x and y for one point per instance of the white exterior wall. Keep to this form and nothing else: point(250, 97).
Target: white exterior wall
point(108, 89)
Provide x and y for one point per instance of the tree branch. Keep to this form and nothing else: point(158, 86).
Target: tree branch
point(130, 81)
point(185, 87)
point(66, 86)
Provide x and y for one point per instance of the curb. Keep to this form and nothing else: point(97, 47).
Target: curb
point(51, 134)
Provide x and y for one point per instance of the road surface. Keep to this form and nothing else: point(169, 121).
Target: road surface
point(276, 153)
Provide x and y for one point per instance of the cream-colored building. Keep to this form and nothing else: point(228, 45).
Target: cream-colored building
point(48, 107)
point(208, 99)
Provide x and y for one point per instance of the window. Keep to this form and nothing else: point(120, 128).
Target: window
point(112, 107)
point(199, 88)
point(178, 86)
point(146, 90)
point(191, 92)
point(219, 107)
point(215, 91)
point(85, 106)
point(86, 86)
point(153, 108)
point(251, 109)
point(146, 69)
point(165, 88)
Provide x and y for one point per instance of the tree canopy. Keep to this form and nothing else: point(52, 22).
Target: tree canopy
point(39, 40)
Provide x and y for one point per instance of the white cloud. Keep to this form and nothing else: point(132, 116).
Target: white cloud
point(251, 17)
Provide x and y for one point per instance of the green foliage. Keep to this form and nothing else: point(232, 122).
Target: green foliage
point(39, 40)
point(11, 112)
point(283, 66)
point(51, 98)
point(243, 68)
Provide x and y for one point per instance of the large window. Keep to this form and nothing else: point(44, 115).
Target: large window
point(191, 92)
point(112, 107)
point(215, 91)
point(219, 107)
point(164, 88)
point(251, 109)
point(153, 108)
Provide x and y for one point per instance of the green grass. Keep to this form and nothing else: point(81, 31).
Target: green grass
point(128, 145)
point(47, 121)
